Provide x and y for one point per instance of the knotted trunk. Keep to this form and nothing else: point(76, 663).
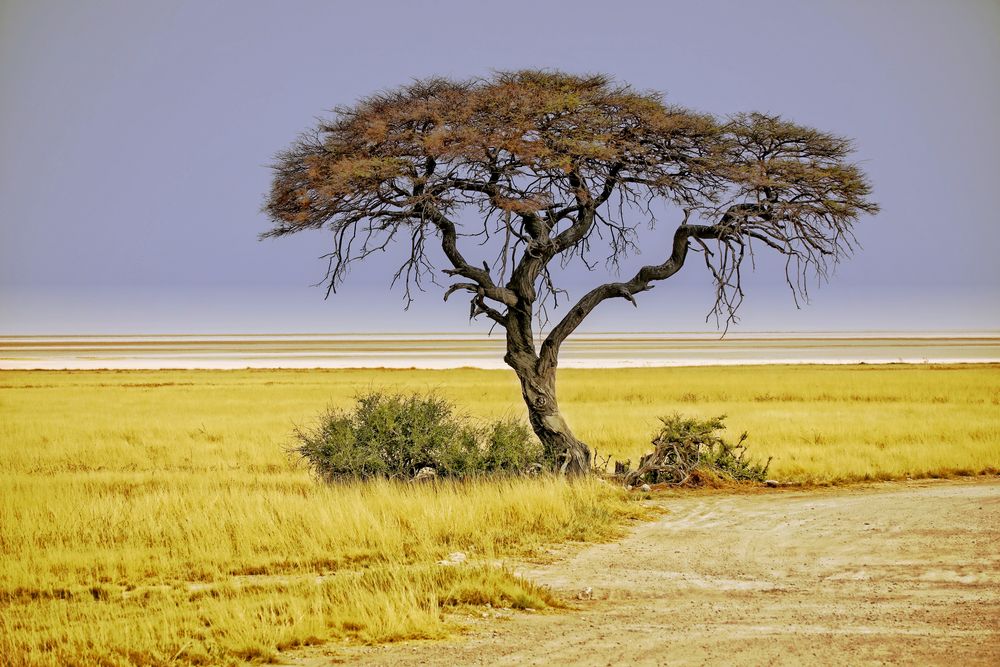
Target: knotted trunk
point(537, 374)
point(571, 456)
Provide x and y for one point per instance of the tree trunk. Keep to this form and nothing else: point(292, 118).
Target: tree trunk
point(571, 456)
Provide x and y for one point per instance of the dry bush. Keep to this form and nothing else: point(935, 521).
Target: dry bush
point(690, 452)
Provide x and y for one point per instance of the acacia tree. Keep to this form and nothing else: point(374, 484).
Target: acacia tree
point(546, 164)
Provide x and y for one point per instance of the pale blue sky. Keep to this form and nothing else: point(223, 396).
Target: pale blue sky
point(135, 138)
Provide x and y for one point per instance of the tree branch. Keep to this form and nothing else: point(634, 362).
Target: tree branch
point(449, 244)
point(478, 305)
point(640, 282)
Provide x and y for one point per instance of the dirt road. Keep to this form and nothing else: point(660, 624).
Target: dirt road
point(892, 574)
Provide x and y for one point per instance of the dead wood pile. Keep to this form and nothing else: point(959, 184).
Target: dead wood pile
point(687, 452)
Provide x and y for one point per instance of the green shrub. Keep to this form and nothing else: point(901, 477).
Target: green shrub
point(396, 435)
point(510, 445)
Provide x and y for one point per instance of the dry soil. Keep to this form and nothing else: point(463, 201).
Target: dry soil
point(901, 573)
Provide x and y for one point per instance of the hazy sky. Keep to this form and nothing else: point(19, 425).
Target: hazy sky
point(135, 139)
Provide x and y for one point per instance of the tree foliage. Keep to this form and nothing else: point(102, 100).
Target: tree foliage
point(551, 160)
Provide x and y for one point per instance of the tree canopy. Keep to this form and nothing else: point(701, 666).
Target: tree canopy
point(549, 162)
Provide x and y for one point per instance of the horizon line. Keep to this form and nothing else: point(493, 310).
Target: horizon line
point(908, 332)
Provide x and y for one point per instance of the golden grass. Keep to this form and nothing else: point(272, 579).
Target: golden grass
point(154, 517)
point(822, 424)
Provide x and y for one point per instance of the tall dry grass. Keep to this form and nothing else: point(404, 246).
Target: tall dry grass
point(213, 566)
point(154, 517)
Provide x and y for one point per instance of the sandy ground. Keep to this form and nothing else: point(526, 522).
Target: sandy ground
point(889, 574)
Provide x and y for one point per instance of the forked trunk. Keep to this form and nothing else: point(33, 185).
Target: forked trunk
point(571, 456)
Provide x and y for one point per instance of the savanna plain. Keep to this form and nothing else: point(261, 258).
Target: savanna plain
point(157, 517)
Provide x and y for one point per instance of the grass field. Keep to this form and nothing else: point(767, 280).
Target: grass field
point(154, 517)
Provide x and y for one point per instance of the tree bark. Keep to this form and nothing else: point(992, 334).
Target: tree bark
point(570, 456)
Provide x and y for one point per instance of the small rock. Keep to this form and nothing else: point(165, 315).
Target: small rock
point(586, 594)
point(772, 483)
point(645, 488)
point(424, 475)
point(456, 558)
